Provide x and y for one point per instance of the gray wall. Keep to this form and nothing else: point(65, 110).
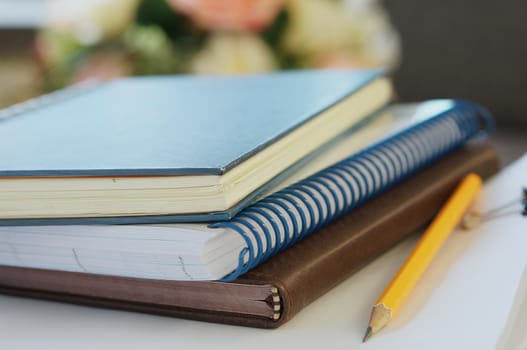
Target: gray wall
point(474, 49)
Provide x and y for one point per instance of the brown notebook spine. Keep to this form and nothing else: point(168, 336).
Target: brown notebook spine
point(289, 281)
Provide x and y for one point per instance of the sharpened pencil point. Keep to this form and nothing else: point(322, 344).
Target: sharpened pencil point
point(367, 335)
point(380, 317)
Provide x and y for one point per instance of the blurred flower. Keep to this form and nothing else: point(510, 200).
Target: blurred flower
point(233, 53)
point(53, 52)
point(53, 48)
point(239, 15)
point(152, 50)
point(319, 26)
point(104, 65)
point(92, 21)
point(143, 50)
point(348, 33)
point(111, 38)
point(339, 59)
point(382, 44)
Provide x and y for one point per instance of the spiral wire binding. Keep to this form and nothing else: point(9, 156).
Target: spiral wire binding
point(287, 216)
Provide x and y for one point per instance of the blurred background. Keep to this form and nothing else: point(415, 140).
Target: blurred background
point(474, 49)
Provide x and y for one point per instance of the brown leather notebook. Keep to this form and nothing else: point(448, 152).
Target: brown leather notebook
point(277, 290)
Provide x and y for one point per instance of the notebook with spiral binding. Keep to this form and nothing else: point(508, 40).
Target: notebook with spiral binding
point(185, 148)
point(277, 290)
point(418, 135)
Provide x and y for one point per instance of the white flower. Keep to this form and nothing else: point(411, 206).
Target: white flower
point(341, 33)
point(318, 26)
point(381, 40)
point(233, 53)
point(91, 21)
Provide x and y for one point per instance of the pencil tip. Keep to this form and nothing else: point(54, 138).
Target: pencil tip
point(380, 316)
point(367, 335)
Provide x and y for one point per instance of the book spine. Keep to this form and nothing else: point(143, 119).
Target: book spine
point(285, 217)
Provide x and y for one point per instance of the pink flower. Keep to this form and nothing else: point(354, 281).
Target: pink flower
point(240, 15)
point(104, 66)
point(340, 60)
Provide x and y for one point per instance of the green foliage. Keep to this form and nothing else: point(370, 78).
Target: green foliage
point(275, 31)
point(152, 50)
point(273, 35)
point(180, 29)
point(56, 51)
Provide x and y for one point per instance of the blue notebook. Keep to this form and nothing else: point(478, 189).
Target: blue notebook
point(192, 148)
point(409, 137)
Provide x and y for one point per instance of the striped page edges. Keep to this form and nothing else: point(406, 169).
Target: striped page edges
point(295, 212)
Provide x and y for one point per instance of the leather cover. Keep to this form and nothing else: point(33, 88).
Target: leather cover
point(315, 265)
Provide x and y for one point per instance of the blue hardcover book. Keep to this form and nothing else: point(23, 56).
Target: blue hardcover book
point(176, 148)
point(341, 177)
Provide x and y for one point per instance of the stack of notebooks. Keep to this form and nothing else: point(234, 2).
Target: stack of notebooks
point(236, 200)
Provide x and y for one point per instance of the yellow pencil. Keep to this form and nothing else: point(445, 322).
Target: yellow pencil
point(417, 262)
